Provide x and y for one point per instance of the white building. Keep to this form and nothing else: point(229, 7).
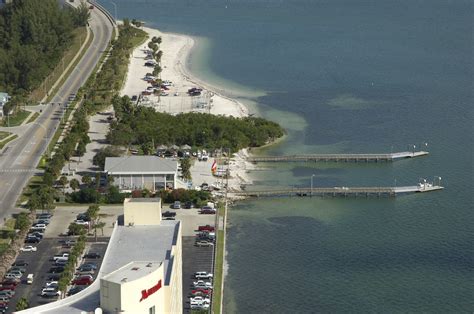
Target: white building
point(140, 172)
point(141, 271)
point(4, 98)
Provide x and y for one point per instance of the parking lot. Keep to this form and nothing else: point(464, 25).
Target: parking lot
point(40, 262)
point(194, 258)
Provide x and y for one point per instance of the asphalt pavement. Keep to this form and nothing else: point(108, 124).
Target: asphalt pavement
point(19, 158)
point(40, 262)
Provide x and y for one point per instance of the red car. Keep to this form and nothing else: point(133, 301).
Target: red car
point(206, 228)
point(201, 292)
point(9, 282)
point(7, 287)
point(82, 281)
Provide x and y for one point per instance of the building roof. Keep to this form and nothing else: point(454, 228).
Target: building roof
point(127, 244)
point(132, 271)
point(140, 165)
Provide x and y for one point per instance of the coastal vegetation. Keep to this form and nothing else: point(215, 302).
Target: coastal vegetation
point(138, 125)
point(33, 37)
point(96, 95)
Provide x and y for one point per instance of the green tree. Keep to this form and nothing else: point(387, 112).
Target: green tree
point(63, 181)
point(102, 154)
point(186, 168)
point(22, 221)
point(74, 184)
point(81, 15)
point(22, 304)
point(75, 229)
point(86, 179)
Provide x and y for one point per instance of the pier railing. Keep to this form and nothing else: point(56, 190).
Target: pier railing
point(339, 157)
point(340, 191)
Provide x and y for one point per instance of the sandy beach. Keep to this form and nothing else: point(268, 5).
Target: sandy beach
point(176, 49)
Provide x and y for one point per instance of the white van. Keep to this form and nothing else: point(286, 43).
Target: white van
point(29, 279)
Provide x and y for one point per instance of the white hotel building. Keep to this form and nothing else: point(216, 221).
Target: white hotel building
point(141, 271)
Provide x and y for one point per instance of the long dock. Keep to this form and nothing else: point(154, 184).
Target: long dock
point(339, 157)
point(342, 191)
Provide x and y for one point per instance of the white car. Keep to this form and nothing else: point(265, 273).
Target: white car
point(28, 248)
point(50, 283)
point(199, 300)
point(49, 292)
point(81, 222)
point(203, 275)
point(202, 284)
point(203, 306)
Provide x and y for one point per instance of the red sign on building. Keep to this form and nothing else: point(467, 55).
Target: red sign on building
point(147, 292)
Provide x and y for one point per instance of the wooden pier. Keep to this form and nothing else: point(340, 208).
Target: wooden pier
point(341, 191)
point(339, 157)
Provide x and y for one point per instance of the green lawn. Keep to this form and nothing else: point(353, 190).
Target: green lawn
point(16, 118)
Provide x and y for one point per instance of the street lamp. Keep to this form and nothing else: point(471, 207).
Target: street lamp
point(311, 194)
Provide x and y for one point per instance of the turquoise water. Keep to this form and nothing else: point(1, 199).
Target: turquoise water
point(345, 76)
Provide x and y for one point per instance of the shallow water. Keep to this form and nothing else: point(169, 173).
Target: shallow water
point(345, 76)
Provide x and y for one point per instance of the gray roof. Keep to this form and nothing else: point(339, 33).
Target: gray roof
point(140, 164)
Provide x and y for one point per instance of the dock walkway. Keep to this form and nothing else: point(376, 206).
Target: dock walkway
point(341, 191)
point(339, 157)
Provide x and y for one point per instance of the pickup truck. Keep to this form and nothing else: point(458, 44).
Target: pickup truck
point(60, 256)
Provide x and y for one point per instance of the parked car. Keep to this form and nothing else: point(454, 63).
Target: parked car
point(176, 205)
point(202, 284)
point(89, 264)
point(85, 272)
point(75, 290)
point(44, 216)
point(204, 243)
point(42, 221)
point(39, 226)
point(28, 248)
point(20, 262)
point(21, 269)
point(206, 228)
point(12, 276)
point(168, 214)
point(81, 222)
point(8, 282)
point(83, 217)
point(36, 234)
point(202, 292)
point(53, 277)
point(188, 205)
point(49, 292)
point(207, 210)
point(199, 300)
point(203, 275)
point(82, 281)
point(7, 287)
point(4, 299)
point(62, 255)
point(85, 268)
point(92, 255)
point(202, 306)
point(32, 240)
point(7, 293)
point(56, 270)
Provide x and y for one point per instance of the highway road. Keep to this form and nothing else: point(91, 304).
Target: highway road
point(19, 159)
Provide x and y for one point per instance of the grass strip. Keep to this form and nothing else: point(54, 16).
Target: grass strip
point(4, 135)
point(33, 117)
point(5, 142)
point(218, 273)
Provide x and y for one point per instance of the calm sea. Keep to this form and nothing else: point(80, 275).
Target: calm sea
point(345, 76)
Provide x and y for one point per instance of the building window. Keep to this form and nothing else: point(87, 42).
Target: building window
point(151, 310)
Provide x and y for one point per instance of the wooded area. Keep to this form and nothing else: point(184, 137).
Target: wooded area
point(33, 36)
point(138, 125)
